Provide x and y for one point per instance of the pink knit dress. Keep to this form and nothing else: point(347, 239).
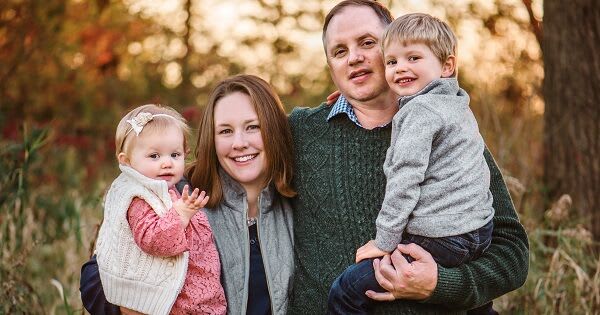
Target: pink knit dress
point(202, 292)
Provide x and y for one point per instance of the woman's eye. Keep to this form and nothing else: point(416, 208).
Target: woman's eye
point(253, 127)
point(225, 131)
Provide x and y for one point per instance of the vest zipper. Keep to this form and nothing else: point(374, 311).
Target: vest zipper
point(247, 263)
point(262, 253)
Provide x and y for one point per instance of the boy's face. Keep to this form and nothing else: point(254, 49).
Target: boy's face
point(410, 67)
point(158, 155)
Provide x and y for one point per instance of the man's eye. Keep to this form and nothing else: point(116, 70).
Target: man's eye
point(369, 43)
point(339, 53)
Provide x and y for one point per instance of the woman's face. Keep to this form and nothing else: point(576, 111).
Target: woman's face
point(238, 140)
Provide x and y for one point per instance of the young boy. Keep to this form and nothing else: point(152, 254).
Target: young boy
point(437, 193)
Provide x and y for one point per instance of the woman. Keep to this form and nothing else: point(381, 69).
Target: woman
point(248, 177)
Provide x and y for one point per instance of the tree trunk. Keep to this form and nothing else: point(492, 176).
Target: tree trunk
point(571, 47)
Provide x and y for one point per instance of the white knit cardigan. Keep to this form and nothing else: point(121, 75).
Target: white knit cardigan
point(131, 277)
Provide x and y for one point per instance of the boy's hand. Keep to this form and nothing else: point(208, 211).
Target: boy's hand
point(188, 205)
point(369, 250)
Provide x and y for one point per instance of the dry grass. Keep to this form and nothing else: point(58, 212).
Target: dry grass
point(48, 221)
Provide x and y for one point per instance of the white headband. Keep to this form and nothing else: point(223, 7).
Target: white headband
point(140, 120)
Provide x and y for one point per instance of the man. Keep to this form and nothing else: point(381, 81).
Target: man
point(340, 185)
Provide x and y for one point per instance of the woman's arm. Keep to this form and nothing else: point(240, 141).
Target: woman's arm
point(502, 268)
point(92, 293)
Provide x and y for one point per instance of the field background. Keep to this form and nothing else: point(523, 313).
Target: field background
point(70, 69)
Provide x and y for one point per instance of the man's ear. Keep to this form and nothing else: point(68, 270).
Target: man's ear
point(449, 67)
point(123, 159)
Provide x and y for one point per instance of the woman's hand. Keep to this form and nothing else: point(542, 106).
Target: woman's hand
point(332, 98)
point(403, 280)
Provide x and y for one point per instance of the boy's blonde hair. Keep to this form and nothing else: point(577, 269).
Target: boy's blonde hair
point(422, 28)
point(163, 117)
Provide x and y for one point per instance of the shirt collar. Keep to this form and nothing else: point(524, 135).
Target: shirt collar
point(342, 106)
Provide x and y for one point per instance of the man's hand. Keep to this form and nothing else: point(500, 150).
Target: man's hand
point(369, 250)
point(332, 98)
point(188, 205)
point(404, 280)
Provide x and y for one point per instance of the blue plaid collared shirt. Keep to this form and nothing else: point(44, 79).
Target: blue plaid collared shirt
point(342, 106)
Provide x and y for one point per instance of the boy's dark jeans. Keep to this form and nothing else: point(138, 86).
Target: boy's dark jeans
point(347, 293)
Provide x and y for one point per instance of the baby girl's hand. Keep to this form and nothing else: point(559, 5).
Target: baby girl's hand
point(369, 250)
point(188, 205)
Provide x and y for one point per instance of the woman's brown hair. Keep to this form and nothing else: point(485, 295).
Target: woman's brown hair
point(275, 133)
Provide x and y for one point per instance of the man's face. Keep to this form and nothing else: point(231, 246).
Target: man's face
point(353, 54)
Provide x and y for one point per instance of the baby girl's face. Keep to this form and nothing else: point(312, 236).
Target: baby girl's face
point(159, 155)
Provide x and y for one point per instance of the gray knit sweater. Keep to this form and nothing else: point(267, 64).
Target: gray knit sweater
point(437, 178)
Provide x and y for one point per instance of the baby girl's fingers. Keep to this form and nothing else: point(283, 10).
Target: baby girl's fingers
point(199, 199)
point(204, 202)
point(184, 192)
point(194, 195)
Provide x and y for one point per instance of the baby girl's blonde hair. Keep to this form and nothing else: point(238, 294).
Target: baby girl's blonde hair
point(150, 118)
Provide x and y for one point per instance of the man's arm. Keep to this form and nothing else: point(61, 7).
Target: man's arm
point(502, 268)
point(92, 293)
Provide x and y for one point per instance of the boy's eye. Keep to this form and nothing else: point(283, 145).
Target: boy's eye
point(390, 62)
point(413, 58)
point(153, 156)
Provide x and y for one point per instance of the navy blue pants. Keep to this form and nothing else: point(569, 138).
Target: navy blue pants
point(347, 293)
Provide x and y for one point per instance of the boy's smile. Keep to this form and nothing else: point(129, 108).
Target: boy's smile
point(409, 67)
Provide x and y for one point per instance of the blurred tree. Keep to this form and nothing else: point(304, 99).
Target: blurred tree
point(571, 45)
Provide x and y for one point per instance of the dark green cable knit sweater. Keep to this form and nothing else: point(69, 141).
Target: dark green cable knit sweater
point(340, 184)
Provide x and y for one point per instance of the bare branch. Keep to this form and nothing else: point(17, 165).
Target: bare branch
point(536, 24)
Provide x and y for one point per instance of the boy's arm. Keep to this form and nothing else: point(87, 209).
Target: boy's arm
point(502, 268)
point(404, 167)
point(158, 236)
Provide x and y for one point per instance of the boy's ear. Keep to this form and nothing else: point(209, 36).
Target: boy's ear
point(123, 159)
point(449, 67)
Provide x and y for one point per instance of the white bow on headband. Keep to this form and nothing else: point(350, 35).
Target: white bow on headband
point(140, 120)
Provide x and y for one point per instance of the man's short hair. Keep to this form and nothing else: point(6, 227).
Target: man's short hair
point(384, 15)
point(422, 28)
